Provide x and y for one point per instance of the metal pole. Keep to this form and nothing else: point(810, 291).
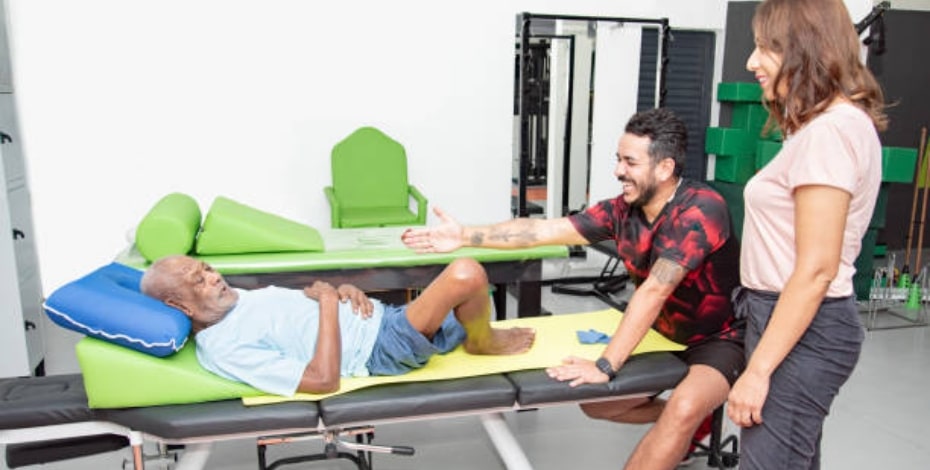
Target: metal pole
point(505, 443)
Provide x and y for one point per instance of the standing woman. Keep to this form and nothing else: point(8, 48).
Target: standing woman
point(806, 213)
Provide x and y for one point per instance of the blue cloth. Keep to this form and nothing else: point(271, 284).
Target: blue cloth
point(270, 336)
point(592, 336)
point(401, 348)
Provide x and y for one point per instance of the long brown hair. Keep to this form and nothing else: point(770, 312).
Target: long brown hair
point(820, 61)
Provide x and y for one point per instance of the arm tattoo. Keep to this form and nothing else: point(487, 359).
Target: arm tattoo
point(667, 272)
point(519, 233)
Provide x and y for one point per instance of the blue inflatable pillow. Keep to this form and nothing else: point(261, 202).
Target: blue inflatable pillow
point(108, 305)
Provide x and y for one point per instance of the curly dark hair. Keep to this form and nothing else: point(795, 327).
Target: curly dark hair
point(667, 131)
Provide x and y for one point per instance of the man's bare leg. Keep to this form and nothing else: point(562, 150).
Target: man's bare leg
point(627, 411)
point(463, 288)
point(665, 444)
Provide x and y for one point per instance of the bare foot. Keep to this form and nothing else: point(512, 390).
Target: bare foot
point(502, 341)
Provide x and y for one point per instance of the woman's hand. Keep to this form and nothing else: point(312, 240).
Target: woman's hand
point(744, 405)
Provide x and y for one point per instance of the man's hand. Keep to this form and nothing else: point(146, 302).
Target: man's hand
point(320, 289)
point(579, 371)
point(744, 405)
point(361, 304)
point(443, 238)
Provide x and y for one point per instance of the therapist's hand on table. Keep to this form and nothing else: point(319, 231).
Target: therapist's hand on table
point(578, 370)
point(442, 238)
point(361, 304)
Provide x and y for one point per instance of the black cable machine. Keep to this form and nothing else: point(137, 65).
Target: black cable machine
point(528, 97)
point(529, 81)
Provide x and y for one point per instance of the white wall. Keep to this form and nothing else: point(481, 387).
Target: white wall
point(612, 105)
point(122, 102)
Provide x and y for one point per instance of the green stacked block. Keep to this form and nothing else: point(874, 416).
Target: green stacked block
point(732, 193)
point(862, 280)
point(749, 116)
point(765, 152)
point(739, 92)
point(725, 141)
point(734, 168)
point(881, 206)
point(881, 250)
point(898, 164)
point(734, 149)
point(773, 135)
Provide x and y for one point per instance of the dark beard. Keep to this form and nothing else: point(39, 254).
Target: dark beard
point(646, 194)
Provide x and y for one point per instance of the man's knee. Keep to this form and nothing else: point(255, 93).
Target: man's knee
point(468, 272)
point(685, 409)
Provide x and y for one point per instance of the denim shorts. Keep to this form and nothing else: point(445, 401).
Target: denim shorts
point(400, 348)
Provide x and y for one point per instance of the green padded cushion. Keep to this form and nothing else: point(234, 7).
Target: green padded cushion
point(169, 228)
point(118, 377)
point(377, 216)
point(233, 228)
point(353, 248)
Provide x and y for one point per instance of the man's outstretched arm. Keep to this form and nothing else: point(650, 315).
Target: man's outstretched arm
point(322, 373)
point(449, 235)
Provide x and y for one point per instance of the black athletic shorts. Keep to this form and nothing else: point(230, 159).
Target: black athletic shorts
point(725, 355)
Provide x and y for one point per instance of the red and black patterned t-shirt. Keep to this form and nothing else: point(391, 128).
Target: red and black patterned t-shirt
point(692, 230)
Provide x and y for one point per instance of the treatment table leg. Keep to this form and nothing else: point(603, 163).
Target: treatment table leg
point(138, 458)
point(507, 446)
point(195, 456)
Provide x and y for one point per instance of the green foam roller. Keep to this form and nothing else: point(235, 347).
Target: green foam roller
point(169, 228)
point(231, 227)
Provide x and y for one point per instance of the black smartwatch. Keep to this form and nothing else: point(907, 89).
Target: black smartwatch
point(604, 366)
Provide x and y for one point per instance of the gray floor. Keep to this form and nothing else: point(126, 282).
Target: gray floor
point(881, 419)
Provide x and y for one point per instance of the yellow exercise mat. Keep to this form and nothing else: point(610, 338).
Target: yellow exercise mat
point(556, 338)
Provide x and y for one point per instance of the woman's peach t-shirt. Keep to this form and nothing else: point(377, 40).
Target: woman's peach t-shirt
point(839, 148)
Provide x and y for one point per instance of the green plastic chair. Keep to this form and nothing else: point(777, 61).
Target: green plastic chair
point(370, 188)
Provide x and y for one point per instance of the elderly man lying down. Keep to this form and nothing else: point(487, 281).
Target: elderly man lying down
point(283, 341)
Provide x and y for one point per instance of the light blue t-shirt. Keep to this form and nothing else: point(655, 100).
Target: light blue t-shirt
point(269, 337)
